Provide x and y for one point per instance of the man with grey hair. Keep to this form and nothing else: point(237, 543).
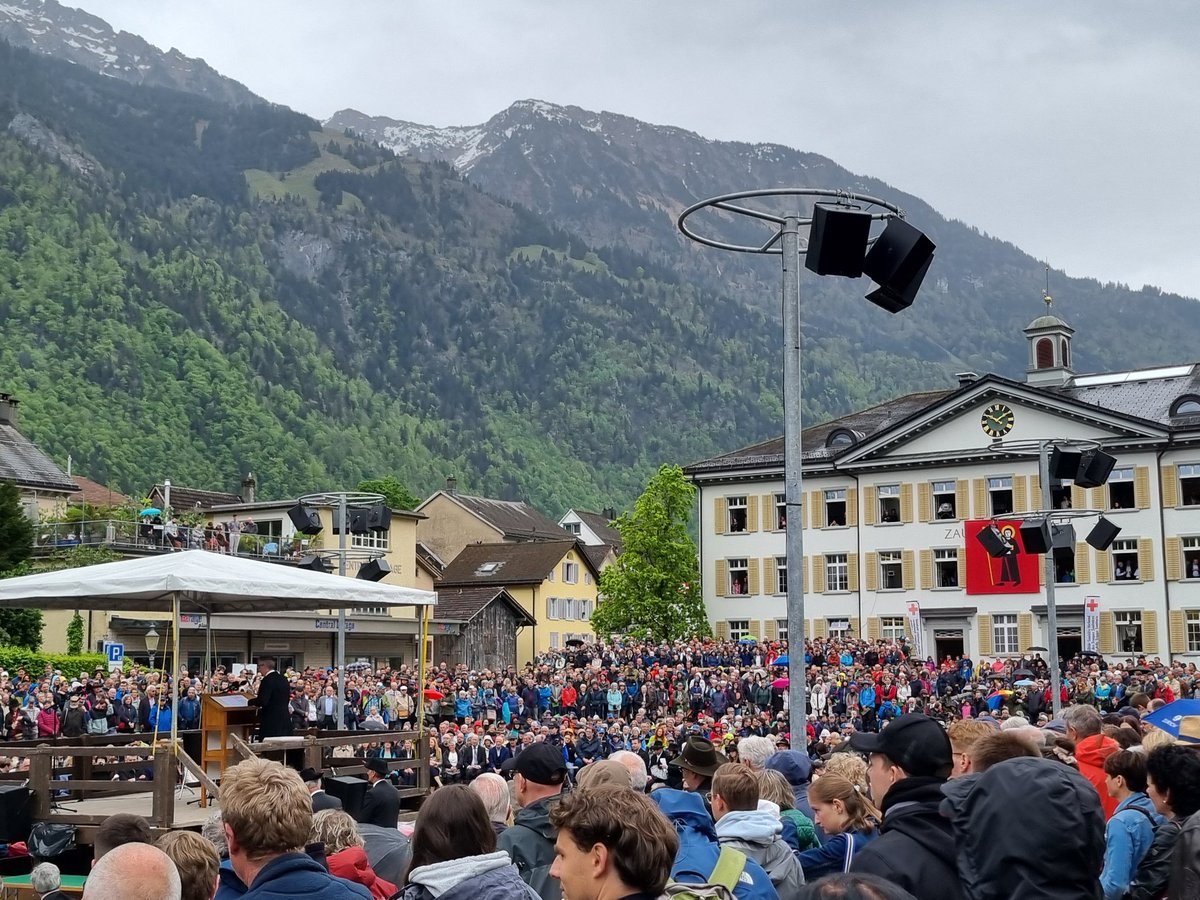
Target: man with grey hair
point(493, 791)
point(754, 750)
point(133, 872)
point(213, 830)
point(636, 766)
point(45, 879)
point(1092, 748)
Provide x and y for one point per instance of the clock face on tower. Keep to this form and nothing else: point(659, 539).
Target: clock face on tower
point(998, 420)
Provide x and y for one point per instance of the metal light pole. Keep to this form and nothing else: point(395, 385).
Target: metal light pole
point(152, 644)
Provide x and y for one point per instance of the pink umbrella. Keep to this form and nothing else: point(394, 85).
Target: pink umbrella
point(781, 682)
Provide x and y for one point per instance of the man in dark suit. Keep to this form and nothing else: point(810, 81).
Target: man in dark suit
point(320, 800)
point(274, 695)
point(381, 805)
point(498, 755)
point(473, 759)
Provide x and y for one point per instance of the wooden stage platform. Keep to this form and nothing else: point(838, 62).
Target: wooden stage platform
point(186, 815)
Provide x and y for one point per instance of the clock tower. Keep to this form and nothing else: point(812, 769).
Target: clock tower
point(1049, 350)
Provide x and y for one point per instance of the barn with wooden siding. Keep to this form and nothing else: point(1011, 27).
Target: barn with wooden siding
point(488, 619)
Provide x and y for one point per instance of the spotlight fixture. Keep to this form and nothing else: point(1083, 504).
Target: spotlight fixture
point(305, 519)
point(1064, 464)
point(357, 518)
point(993, 542)
point(379, 517)
point(313, 564)
point(837, 240)
point(1035, 536)
point(375, 570)
point(898, 262)
point(1094, 469)
point(1103, 534)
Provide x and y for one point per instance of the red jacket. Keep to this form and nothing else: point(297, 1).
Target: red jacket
point(352, 865)
point(48, 722)
point(1090, 753)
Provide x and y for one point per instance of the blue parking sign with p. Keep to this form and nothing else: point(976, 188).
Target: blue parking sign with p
point(116, 654)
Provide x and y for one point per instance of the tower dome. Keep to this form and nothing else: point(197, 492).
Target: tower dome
point(1050, 356)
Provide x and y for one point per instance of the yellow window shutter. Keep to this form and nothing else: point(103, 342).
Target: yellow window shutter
point(770, 630)
point(1178, 631)
point(1108, 632)
point(722, 631)
point(758, 632)
point(1103, 567)
point(906, 503)
point(1174, 559)
point(852, 570)
point(1020, 494)
point(855, 627)
point(1035, 491)
point(768, 512)
point(721, 586)
point(984, 622)
point(752, 512)
point(926, 570)
point(960, 500)
point(818, 508)
point(851, 507)
point(820, 628)
point(872, 564)
point(1150, 631)
point(719, 515)
point(752, 579)
point(1042, 572)
point(981, 499)
point(874, 628)
point(1083, 563)
point(962, 568)
point(818, 563)
point(1079, 497)
point(1170, 486)
point(1146, 558)
point(908, 570)
point(1025, 630)
point(925, 501)
point(1099, 499)
point(870, 504)
point(1141, 487)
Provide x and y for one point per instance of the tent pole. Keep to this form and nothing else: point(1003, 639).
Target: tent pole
point(422, 664)
point(175, 675)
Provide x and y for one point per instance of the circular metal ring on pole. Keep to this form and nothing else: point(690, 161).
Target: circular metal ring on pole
point(1034, 514)
point(352, 498)
point(1034, 447)
point(880, 210)
point(352, 554)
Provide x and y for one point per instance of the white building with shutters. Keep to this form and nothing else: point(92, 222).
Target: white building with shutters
point(888, 492)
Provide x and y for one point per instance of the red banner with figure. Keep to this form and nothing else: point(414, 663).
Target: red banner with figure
point(1014, 572)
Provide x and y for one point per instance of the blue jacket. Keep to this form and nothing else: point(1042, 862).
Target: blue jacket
point(1127, 837)
point(293, 876)
point(698, 847)
point(830, 857)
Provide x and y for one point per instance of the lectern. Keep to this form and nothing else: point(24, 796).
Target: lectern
point(221, 717)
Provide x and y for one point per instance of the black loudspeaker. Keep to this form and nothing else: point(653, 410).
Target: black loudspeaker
point(1102, 536)
point(1064, 464)
point(1064, 537)
point(348, 789)
point(1094, 469)
point(306, 519)
point(992, 541)
point(313, 563)
point(375, 570)
point(1036, 537)
point(898, 262)
point(16, 812)
point(379, 517)
point(837, 240)
point(358, 521)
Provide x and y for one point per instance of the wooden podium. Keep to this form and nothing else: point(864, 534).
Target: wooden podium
point(222, 716)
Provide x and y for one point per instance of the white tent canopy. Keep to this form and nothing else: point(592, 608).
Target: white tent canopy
point(199, 580)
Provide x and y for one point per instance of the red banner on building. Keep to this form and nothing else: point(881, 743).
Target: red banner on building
point(1014, 573)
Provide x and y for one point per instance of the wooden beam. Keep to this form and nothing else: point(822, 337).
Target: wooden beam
point(163, 796)
point(243, 749)
point(39, 783)
point(207, 783)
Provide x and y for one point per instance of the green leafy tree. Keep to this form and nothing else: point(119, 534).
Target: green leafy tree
point(398, 496)
point(18, 627)
point(653, 589)
point(75, 635)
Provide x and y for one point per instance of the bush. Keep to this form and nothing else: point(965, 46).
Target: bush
point(34, 662)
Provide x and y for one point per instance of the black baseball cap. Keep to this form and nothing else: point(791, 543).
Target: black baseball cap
point(540, 762)
point(916, 743)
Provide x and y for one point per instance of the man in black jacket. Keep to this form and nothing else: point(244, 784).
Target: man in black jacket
point(272, 701)
point(312, 779)
point(910, 761)
point(381, 803)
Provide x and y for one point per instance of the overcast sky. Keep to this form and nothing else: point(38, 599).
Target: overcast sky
point(1069, 128)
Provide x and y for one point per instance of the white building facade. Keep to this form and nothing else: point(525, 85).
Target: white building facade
point(894, 495)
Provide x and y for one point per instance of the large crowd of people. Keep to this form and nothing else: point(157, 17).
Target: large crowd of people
point(940, 778)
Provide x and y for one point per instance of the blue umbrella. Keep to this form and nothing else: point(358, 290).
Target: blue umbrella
point(1168, 717)
point(748, 640)
point(781, 661)
point(151, 511)
point(1024, 682)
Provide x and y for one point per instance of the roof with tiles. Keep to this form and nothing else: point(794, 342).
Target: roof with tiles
point(499, 564)
point(464, 604)
point(93, 493)
point(514, 519)
point(23, 464)
point(183, 498)
point(601, 527)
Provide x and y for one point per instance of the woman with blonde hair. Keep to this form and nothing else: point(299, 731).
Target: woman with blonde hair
point(345, 852)
point(798, 830)
point(850, 766)
point(850, 822)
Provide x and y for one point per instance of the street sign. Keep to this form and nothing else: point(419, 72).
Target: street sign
point(116, 655)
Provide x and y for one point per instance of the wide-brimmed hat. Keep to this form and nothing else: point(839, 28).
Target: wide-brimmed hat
point(377, 766)
point(1189, 731)
point(700, 756)
point(310, 774)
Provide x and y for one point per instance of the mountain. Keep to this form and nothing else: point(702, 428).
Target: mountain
point(616, 181)
point(51, 29)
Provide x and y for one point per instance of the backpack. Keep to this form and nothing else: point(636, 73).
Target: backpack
point(722, 881)
point(1154, 871)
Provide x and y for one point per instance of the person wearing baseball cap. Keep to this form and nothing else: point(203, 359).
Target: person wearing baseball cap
point(538, 772)
point(910, 760)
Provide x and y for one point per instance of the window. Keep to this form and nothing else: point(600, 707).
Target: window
point(1005, 637)
point(891, 628)
point(781, 629)
point(889, 502)
point(738, 629)
point(1120, 489)
point(569, 607)
point(585, 610)
point(571, 527)
point(891, 574)
point(945, 500)
point(780, 512)
point(1191, 557)
point(1189, 485)
point(837, 572)
point(1125, 561)
point(945, 568)
point(371, 611)
point(835, 508)
point(839, 628)
point(737, 513)
point(840, 439)
point(781, 574)
point(570, 573)
point(1060, 494)
point(1187, 405)
point(587, 578)
point(554, 640)
point(1064, 565)
point(1000, 492)
point(1193, 631)
point(739, 577)
point(374, 540)
point(553, 611)
point(1129, 631)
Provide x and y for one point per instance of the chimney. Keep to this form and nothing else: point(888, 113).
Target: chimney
point(8, 410)
point(166, 493)
point(965, 378)
point(451, 485)
point(609, 514)
point(248, 485)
